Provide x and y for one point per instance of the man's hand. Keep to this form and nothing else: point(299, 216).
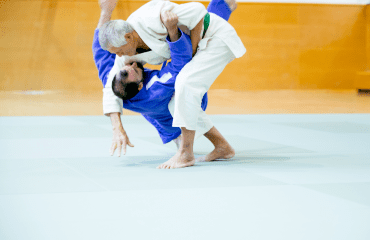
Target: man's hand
point(120, 140)
point(170, 20)
point(107, 6)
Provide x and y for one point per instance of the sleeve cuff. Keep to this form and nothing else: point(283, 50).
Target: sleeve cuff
point(178, 42)
point(111, 103)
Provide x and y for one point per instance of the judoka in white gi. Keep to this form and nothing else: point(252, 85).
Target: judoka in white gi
point(150, 91)
point(217, 46)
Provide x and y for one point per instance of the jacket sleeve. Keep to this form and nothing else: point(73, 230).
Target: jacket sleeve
point(104, 60)
point(112, 103)
point(181, 52)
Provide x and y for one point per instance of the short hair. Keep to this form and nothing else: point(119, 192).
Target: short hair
point(113, 32)
point(124, 90)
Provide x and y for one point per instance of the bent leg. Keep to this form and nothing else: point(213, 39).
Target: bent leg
point(204, 123)
point(184, 156)
point(196, 78)
point(192, 83)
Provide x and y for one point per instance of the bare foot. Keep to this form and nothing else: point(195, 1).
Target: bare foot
point(232, 4)
point(220, 152)
point(180, 160)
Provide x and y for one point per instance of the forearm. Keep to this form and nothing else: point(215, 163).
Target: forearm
point(195, 35)
point(120, 138)
point(115, 118)
point(174, 34)
point(181, 52)
point(105, 16)
point(106, 7)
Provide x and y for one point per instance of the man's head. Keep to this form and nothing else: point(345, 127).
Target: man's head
point(117, 36)
point(128, 81)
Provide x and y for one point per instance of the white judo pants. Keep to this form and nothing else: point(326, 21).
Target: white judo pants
point(194, 81)
point(204, 124)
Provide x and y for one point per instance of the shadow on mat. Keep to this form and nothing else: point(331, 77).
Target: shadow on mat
point(241, 160)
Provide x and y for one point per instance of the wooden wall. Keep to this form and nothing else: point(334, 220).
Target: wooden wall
point(47, 45)
point(367, 18)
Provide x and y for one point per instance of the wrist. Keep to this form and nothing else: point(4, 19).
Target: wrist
point(174, 35)
point(119, 128)
point(116, 120)
point(173, 30)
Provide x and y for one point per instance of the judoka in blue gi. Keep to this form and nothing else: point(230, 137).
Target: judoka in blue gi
point(149, 91)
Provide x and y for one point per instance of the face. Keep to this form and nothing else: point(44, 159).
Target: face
point(128, 49)
point(135, 74)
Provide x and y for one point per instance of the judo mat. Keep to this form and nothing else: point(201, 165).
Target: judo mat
point(300, 176)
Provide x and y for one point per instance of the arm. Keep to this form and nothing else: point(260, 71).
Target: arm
point(105, 62)
point(170, 20)
point(195, 36)
point(107, 65)
point(218, 7)
point(179, 43)
point(181, 53)
point(112, 107)
point(191, 15)
point(107, 7)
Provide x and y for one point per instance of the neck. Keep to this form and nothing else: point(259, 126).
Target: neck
point(140, 42)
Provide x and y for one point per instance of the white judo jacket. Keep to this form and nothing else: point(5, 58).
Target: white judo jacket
point(147, 23)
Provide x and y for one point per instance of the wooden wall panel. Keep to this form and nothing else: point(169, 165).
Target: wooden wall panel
point(331, 46)
point(271, 36)
point(367, 37)
point(47, 45)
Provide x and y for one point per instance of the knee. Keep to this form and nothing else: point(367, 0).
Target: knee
point(189, 87)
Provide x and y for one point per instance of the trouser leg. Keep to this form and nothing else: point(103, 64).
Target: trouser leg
point(204, 123)
point(195, 79)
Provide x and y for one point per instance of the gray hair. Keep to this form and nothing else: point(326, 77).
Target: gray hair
point(112, 33)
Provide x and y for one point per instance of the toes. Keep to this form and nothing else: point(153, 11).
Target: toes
point(164, 166)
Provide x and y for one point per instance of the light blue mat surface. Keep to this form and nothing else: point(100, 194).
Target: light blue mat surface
point(293, 177)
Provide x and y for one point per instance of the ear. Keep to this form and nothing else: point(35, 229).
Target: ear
point(128, 36)
point(141, 85)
